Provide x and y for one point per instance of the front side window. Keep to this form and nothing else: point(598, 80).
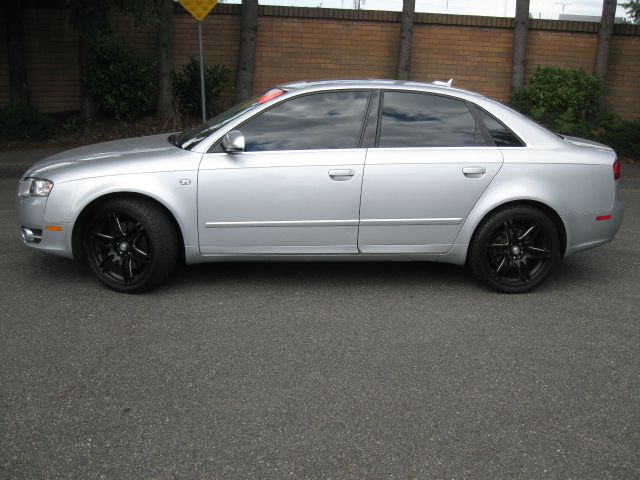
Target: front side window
point(190, 138)
point(424, 120)
point(327, 120)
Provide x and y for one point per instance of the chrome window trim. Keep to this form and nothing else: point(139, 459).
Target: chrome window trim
point(475, 99)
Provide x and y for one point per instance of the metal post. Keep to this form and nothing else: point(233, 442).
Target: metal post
point(204, 109)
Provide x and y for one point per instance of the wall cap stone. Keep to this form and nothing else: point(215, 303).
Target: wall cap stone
point(422, 18)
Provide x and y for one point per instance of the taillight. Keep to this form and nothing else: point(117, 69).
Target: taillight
point(616, 170)
point(270, 95)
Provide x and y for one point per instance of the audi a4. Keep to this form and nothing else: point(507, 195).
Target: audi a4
point(330, 170)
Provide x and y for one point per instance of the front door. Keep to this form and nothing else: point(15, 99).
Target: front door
point(296, 188)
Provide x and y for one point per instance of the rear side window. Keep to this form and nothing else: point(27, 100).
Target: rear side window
point(318, 121)
point(424, 120)
point(502, 136)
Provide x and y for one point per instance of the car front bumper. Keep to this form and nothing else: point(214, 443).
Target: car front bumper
point(40, 233)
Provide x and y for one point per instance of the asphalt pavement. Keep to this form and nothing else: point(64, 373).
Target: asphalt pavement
point(310, 370)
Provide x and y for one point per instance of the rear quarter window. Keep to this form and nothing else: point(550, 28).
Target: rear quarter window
point(500, 133)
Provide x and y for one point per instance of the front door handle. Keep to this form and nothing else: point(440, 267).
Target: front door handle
point(474, 172)
point(341, 175)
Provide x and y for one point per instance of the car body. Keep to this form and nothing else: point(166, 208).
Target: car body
point(331, 170)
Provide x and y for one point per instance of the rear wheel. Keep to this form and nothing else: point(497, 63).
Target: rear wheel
point(130, 244)
point(514, 249)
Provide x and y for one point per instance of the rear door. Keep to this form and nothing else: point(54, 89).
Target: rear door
point(431, 164)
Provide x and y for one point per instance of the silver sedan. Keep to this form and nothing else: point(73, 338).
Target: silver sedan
point(335, 170)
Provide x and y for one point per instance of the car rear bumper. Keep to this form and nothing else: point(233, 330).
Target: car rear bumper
point(589, 230)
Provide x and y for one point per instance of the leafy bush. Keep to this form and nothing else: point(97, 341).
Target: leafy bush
point(561, 99)
point(121, 80)
point(25, 123)
point(568, 124)
point(71, 123)
point(186, 87)
point(555, 90)
point(621, 135)
point(566, 102)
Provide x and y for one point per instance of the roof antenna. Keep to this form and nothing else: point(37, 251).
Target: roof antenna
point(444, 84)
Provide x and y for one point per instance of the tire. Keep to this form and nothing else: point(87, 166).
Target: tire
point(514, 249)
point(130, 244)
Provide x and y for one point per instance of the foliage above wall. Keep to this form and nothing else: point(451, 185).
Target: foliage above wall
point(121, 81)
point(553, 90)
point(566, 101)
point(633, 10)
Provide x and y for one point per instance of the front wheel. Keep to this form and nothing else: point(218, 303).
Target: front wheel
point(130, 244)
point(514, 249)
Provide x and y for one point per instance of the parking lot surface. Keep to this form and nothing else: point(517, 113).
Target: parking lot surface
point(310, 370)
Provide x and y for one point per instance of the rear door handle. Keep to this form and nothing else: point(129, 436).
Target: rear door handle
point(341, 175)
point(474, 172)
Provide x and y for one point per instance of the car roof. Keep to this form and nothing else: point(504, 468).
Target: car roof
point(312, 85)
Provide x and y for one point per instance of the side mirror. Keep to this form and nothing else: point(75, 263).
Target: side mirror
point(233, 142)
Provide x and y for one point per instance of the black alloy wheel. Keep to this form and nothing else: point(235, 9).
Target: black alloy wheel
point(130, 245)
point(514, 249)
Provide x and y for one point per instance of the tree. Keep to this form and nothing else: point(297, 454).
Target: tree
point(92, 21)
point(164, 105)
point(159, 14)
point(605, 32)
point(633, 10)
point(15, 47)
point(247, 52)
point(406, 39)
point(520, 34)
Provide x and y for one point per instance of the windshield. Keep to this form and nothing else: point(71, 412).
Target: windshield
point(189, 138)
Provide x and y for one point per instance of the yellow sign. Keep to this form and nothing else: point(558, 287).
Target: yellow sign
point(199, 8)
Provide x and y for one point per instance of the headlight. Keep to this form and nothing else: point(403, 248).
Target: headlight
point(36, 187)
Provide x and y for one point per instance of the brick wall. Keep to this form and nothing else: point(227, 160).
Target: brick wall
point(478, 59)
point(302, 48)
point(51, 52)
point(308, 43)
point(623, 78)
point(220, 39)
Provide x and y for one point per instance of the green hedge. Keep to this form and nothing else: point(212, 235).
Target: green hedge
point(566, 101)
point(186, 87)
point(25, 123)
point(622, 135)
point(121, 80)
